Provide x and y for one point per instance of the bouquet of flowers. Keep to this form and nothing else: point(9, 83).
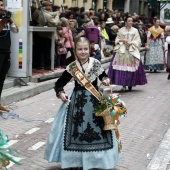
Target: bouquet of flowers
point(110, 108)
point(107, 51)
point(6, 152)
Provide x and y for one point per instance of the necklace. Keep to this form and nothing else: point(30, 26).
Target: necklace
point(81, 64)
point(84, 62)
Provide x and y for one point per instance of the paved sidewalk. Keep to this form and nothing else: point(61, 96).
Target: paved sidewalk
point(144, 131)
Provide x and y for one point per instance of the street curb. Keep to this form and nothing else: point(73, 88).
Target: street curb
point(19, 93)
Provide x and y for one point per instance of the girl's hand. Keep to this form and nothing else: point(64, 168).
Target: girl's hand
point(106, 82)
point(63, 97)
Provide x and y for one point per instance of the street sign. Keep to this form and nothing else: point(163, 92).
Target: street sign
point(165, 13)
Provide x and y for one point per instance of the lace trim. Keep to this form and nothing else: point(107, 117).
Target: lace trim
point(125, 68)
point(93, 70)
point(83, 132)
point(117, 65)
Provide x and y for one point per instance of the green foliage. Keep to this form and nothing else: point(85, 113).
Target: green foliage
point(110, 102)
point(100, 108)
point(105, 103)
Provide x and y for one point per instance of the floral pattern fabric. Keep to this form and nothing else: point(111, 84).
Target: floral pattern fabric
point(93, 70)
point(154, 59)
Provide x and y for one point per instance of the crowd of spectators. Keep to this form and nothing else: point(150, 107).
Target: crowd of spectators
point(71, 23)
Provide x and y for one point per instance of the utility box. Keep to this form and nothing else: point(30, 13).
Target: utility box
point(22, 42)
point(19, 41)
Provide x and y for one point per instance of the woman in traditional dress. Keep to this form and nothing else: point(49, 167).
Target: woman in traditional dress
point(154, 60)
point(126, 68)
point(76, 138)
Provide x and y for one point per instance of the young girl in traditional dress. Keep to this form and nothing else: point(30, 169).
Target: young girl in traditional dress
point(77, 138)
point(126, 68)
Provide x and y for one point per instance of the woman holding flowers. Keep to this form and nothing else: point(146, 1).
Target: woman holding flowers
point(126, 68)
point(77, 139)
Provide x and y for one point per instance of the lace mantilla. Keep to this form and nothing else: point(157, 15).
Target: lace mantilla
point(93, 70)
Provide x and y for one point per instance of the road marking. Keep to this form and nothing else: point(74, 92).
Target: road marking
point(49, 120)
point(161, 157)
point(147, 74)
point(36, 146)
point(32, 131)
point(10, 143)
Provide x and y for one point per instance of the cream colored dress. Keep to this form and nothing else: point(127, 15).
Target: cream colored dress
point(127, 58)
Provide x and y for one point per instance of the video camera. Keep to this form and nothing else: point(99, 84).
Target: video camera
point(4, 14)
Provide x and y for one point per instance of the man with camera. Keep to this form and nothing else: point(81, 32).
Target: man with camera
point(6, 25)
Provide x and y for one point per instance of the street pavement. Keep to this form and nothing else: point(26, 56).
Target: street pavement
point(145, 132)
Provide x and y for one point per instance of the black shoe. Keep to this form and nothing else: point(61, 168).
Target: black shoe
point(130, 88)
point(150, 70)
point(155, 71)
point(168, 77)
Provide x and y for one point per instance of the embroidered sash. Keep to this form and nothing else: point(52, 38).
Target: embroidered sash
point(81, 77)
point(155, 33)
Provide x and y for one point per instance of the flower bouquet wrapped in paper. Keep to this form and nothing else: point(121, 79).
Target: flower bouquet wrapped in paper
point(6, 152)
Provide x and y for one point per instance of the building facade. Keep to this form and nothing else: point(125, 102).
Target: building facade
point(85, 3)
point(132, 6)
